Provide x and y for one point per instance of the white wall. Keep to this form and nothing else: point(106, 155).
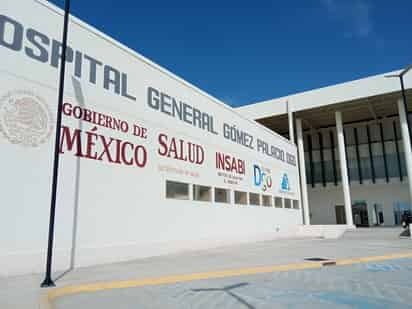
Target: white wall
point(322, 200)
point(110, 212)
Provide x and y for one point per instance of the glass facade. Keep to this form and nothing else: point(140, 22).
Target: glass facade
point(373, 151)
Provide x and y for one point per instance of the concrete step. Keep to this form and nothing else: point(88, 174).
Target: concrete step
point(374, 233)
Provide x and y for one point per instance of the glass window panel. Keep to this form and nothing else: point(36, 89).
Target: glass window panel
point(288, 203)
point(349, 136)
point(240, 198)
point(202, 193)
point(392, 159)
point(352, 163)
point(317, 167)
point(278, 202)
point(267, 200)
point(362, 135)
point(402, 155)
point(295, 204)
point(222, 195)
point(388, 130)
point(365, 161)
point(378, 160)
point(374, 132)
point(177, 190)
point(254, 199)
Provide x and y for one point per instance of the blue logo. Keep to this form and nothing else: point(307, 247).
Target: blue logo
point(262, 178)
point(284, 185)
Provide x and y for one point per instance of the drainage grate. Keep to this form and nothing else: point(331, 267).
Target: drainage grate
point(316, 259)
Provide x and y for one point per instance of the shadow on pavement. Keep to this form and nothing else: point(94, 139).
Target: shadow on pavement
point(227, 290)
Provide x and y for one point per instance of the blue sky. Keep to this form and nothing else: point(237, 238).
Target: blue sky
point(249, 51)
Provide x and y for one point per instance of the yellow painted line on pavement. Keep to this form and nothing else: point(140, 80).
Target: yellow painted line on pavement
point(374, 258)
point(96, 287)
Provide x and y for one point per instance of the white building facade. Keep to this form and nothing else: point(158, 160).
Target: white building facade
point(355, 145)
point(149, 164)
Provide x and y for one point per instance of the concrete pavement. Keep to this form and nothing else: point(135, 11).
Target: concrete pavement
point(23, 292)
point(385, 284)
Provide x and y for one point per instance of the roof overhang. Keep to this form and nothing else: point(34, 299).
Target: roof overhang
point(348, 92)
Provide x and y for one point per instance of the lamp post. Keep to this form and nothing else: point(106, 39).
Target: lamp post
point(48, 281)
point(405, 105)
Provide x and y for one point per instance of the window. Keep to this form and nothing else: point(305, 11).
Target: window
point(267, 200)
point(278, 202)
point(295, 204)
point(202, 193)
point(288, 203)
point(177, 190)
point(222, 195)
point(254, 199)
point(240, 198)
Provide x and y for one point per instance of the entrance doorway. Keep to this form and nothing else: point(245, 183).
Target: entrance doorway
point(360, 213)
point(377, 215)
point(340, 214)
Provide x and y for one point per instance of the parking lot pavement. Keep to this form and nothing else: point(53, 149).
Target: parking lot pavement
point(23, 292)
point(371, 285)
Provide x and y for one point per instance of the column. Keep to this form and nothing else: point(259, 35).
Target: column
point(302, 172)
point(343, 168)
point(406, 144)
point(290, 119)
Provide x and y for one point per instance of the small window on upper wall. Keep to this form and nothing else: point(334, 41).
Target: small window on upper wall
point(202, 193)
point(222, 195)
point(278, 202)
point(254, 199)
point(177, 190)
point(267, 200)
point(295, 204)
point(240, 198)
point(288, 203)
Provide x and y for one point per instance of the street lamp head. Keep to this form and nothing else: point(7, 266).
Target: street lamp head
point(401, 73)
point(406, 70)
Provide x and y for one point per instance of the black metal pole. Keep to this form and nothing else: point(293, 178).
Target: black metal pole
point(405, 105)
point(48, 282)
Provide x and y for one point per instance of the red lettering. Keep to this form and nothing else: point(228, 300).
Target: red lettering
point(77, 112)
point(178, 149)
point(143, 157)
point(200, 155)
point(220, 160)
point(241, 166)
point(230, 164)
point(106, 149)
point(116, 124)
point(70, 141)
point(172, 149)
point(109, 122)
point(124, 127)
point(90, 143)
point(118, 144)
point(123, 153)
point(163, 144)
point(67, 109)
point(144, 133)
point(87, 116)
